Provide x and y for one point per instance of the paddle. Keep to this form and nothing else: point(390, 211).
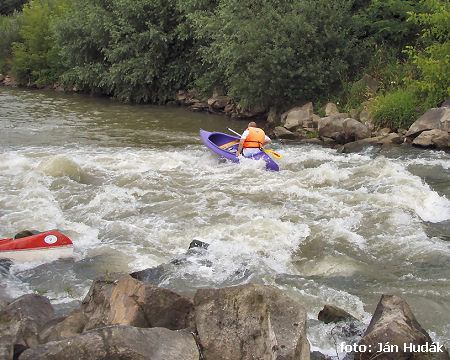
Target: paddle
point(267, 151)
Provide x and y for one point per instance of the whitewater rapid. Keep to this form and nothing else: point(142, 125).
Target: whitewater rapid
point(329, 228)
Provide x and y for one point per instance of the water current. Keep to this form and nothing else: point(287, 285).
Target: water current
point(133, 186)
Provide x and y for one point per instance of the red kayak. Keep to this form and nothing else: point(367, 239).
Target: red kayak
point(48, 244)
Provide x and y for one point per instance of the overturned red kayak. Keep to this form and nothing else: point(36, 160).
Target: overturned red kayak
point(48, 244)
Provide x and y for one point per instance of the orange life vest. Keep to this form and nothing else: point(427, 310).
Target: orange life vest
point(255, 138)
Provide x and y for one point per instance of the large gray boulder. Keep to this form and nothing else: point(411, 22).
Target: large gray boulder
point(250, 322)
point(436, 118)
point(298, 116)
point(62, 328)
point(354, 130)
point(21, 321)
point(145, 305)
point(393, 322)
point(432, 138)
point(127, 301)
point(333, 314)
point(332, 127)
point(331, 109)
point(119, 342)
point(282, 133)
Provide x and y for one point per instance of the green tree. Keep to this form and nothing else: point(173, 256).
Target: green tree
point(9, 30)
point(7, 7)
point(35, 58)
point(272, 53)
point(432, 55)
point(137, 51)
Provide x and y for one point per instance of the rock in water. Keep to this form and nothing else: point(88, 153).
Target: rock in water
point(436, 118)
point(119, 342)
point(331, 313)
point(250, 322)
point(126, 301)
point(21, 321)
point(394, 323)
point(433, 138)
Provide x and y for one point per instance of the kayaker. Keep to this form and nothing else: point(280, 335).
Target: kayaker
point(252, 141)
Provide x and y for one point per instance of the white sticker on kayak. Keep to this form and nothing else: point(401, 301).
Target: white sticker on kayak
point(50, 239)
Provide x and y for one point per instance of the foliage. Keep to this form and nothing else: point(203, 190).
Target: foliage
point(137, 51)
point(35, 59)
point(7, 7)
point(433, 62)
point(272, 53)
point(383, 23)
point(9, 28)
point(395, 109)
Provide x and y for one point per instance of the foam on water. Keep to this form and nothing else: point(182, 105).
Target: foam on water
point(334, 222)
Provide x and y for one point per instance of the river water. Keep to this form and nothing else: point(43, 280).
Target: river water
point(133, 186)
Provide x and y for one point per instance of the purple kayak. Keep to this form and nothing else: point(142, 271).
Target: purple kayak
point(226, 145)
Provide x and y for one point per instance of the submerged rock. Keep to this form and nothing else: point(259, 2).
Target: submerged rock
point(119, 342)
point(250, 322)
point(394, 323)
point(333, 314)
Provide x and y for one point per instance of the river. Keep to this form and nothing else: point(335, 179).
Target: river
point(133, 185)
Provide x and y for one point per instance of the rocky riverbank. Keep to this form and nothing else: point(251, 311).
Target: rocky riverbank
point(122, 317)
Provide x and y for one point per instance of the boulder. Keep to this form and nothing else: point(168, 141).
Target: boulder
point(219, 102)
point(365, 117)
point(436, 118)
point(21, 321)
point(96, 304)
point(393, 322)
point(186, 98)
point(63, 328)
point(199, 106)
point(251, 322)
point(273, 117)
point(2, 77)
point(433, 138)
point(315, 121)
point(370, 83)
point(332, 127)
point(282, 133)
point(244, 112)
point(127, 301)
point(119, 342)
point(333, 314)
point(391, 139)
point(384, 131)
point(446, 103)
point(331, 109)
point(359, 145)
point(297, 116)
point(316, 355)
point(354, 130)
point(145, 305)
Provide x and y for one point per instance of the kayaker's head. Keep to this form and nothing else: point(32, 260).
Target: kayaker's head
point(252, 124)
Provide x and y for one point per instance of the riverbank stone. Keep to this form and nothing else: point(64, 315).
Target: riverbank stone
point(119, 342)
point(333, 314)
point(436, 118)
point(250, 322)
point(394, 323)
point(433, 138)
point(20, 323)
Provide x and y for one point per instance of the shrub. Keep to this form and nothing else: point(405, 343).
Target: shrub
point(396, 109)
point(136, 51)
point(7, 7)
point(35, 58)
point(9, 28)
point(433, 62)
point(274, 53)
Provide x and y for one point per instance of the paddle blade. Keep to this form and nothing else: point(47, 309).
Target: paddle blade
point(273, 153)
